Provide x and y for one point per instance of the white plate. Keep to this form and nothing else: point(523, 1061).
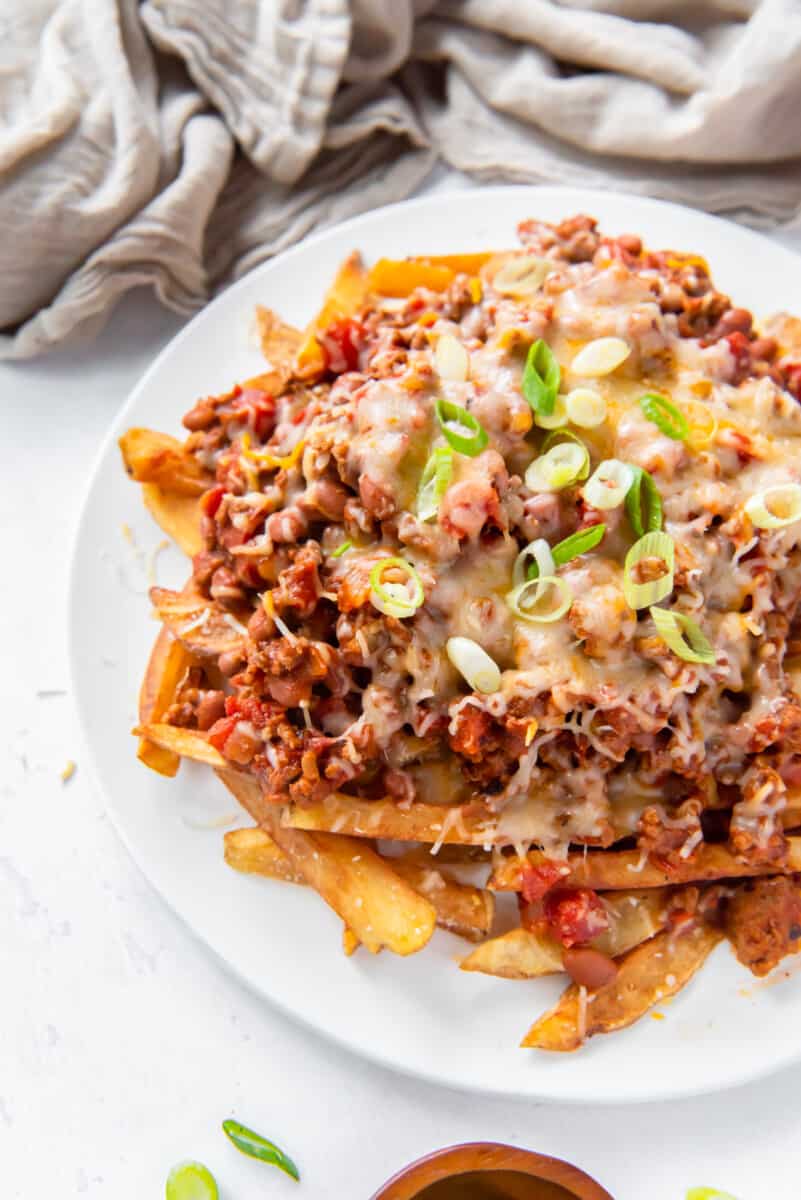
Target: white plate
point(419, 1015)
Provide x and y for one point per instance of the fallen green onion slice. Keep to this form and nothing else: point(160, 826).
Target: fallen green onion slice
point(653, 545)
point(472, 661)
point(554, 420)
point(609, 484)
point(543, 563)
point(776, 506)
point(541, 376)
point(255, 1146)
point(530, 601)
point(460, 428)
point(395, 599)
point(667, 418)
point(683, 636)
point(434, 482)
point(707, 1193)
point(643, 503)
point(191, 1181)
point(340, 550)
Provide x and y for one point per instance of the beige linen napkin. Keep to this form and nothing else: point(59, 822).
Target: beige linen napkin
point(179, 143)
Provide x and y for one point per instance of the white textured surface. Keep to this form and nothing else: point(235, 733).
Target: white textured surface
point(122, 1043)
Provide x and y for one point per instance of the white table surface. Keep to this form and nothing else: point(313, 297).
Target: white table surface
point(123, 1044)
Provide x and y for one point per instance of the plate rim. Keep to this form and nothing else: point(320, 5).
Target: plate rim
point(340, 1035)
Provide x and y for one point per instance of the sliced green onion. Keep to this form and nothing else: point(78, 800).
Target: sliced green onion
point(609, 484)
point(556, 436)
point(776, 506)
point(395, 599)
point(667, 418)
point(522, 276)
point(256, 1146)
point(460, 428)
point(655, 545)
point(555, 419)
point(562, 465)
point(706, 1193)
point(434, 482)
point(566, 550)
point(191, 1181)
point(340, 550)
point(541, 376)
point(702, 424)
point(585, 407)
point(451, 359)
point(541, 601)
point(683, 636)
point(600, 357)
point(643, 503)
point(472, 661)
point(543, 563)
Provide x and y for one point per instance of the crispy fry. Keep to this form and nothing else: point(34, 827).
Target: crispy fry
point(152, 457)
point(400, 277)
point(613, 869)
point(350, 943)
point(469, 824)
point(178, 516)
point(204, 627)
point(188, 743)
point(380, 908)
point(651, 972)
point(522, 954)
point(254, 852)
point(344, 298)
point(167, 666)
point(460, 264)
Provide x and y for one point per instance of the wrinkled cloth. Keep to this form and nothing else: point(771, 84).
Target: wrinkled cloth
point(178, 143)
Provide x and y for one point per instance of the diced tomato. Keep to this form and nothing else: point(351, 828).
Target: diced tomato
point(212, 499)
point(740, 348)
point(259, 407)
point(248, 708)
point(221, 730)
point(341, 343)
point(575, 915)
point(536, 881)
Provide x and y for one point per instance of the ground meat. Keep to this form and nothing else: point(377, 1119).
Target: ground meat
point(299, 584)
point(763, 922)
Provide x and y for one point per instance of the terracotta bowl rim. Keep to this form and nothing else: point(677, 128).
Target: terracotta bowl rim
point(528, 1162)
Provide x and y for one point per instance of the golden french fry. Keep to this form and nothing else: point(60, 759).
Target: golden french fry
point(254, 852)
point(523, 954)
point(350, 943)
point(651, 972)
point(400, 277)
point(345, 298)
point(613, 869)
point(188, 743)
point(470, 824)
point(461, 908)
point(179, 516)
point(204, 627)
point(460, 264)
point(167, 667)
point(152, 457)
point(373, 901)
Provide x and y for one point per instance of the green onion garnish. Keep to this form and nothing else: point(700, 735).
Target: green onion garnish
point(541, 376)
point(394, 598)
point(669, 419)
point(571, 547)
point(474, 664)
point(541, 601)
point(643, 503)
point(543, 563)
point(460, 428)
point(564, 459)
point(609, 484)
point(655, 546)
point(434, 482)
point(684, 637)
point(255, 1146)
point(191, 1181)
point(775, 507)
point(340, 550)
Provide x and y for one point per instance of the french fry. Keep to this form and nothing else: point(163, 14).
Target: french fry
point(151, 457)
point(613, 869)
point(350, 943)
point(361, 887)
point(400, 277)
point(203, 626)
point(345, 298)
point(460, 264)
point(461, 908)
point(651, 972)
point(523, 954)
point(178, 516)
point(470, 824)
point(187, 743)
point(167, 667)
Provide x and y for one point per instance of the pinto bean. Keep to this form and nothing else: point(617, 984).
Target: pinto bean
point(286, 526)
point(589, 968)
point(210, 709)
point(230, 661)
point(261, 625)
point(467, 506)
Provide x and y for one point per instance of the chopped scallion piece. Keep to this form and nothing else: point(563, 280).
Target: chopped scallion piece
point(434, 482)
point(585, 407)
point(541, 601)
point(191, 1181)
point(684, 637)
point(541, 376)
point(472, 661)
point(600, 357)
point(256, 1146)
point(543, 563)
point(653, 555)
point(396, 598)
point(609, 484)
point(340, 550)
point(667, 418)
point(460, 428)
point(776, 506)
point(643, 503)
